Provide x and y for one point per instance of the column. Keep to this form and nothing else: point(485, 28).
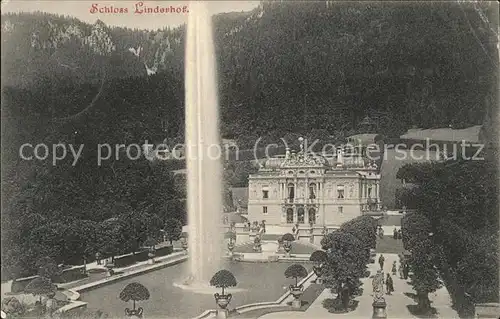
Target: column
point(295, 219)
point(377, 185)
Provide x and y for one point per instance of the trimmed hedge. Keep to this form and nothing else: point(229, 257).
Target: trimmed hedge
point(164, 251)
point(128, 260)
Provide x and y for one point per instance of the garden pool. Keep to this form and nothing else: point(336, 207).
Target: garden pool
point(257, 282)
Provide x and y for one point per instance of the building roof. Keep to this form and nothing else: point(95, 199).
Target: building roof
point(470, 134)
point(363, 139)
point(390, 166)
point(240, 196)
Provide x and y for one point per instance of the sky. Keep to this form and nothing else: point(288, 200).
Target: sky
point(152, 21)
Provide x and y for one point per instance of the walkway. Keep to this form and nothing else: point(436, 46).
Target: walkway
point(399, 305)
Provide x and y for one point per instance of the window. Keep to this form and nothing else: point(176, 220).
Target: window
point(341, 209)
point(290, 172)
point(340, 191)
point(312, 172)
point(301, 172)
point(265, 194)
point(289, 216)
point(312, 216)
point(301, 215)
point(264, 210)
point(291, 191)
point(369, 191)
point(312, 191)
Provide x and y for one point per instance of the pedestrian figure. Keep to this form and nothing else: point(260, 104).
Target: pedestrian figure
point(395, 233)
point(389, 284)
point(400, 269)
point(394, 268)
point(400, 234)
point(381, 260)
point(98, 258)
point(406, 270)
point(381, 232)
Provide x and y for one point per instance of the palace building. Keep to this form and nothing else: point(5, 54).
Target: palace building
point(308, 188)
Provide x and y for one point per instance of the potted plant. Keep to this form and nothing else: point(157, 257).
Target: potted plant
point(135, 292)
point(318, 257)
point(296, 271)
point(287, 243)
point(223, 279)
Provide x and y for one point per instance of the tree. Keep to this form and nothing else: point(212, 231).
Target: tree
point(173, 229)
point(425, 278)
point(47, 268)
point(296, 271)
point(288, 237)
point(457, 219)
point(318, 256)
point(364, 229)
point(346, 261)
point(135, 292)
point(223, 279)
point(109, 240)
point(40, 286)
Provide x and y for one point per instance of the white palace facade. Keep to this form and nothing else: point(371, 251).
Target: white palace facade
point(316, 190)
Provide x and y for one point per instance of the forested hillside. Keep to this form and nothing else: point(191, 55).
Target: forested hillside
point(284, 67)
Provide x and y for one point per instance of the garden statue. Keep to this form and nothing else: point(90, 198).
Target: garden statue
point(280, 244)
point(109, 266)
point(257, 245)
point(184, 244)
point(230, 247)
point(98, 258)
point(324, 231)
point(151, 255)
point(287, 243)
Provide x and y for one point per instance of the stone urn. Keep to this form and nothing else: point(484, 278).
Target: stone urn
point(296, 292)
point(134, 313)
point(222, 301)
point(287, 246)
point(151, 256)
point(318, 270)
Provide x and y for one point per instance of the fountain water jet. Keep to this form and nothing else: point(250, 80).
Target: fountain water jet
point(204, 169)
